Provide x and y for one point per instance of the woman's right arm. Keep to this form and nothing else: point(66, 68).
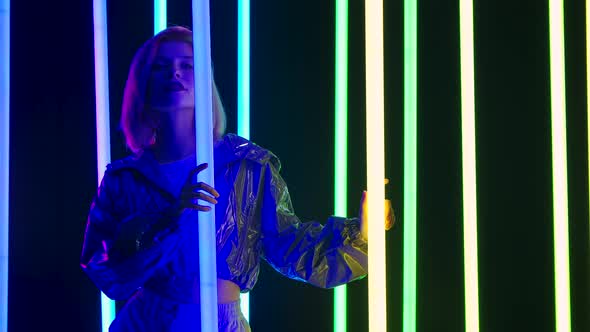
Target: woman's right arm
point(121, 252)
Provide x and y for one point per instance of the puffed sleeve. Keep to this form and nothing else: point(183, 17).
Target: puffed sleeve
point(323, 255)
point(121, 252)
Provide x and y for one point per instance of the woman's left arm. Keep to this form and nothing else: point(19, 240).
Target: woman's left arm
point(323, 255)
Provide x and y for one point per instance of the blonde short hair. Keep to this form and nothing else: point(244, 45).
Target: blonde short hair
point(138, 122)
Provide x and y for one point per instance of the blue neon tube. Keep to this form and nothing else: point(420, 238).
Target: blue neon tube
point(4, 155)
point(204, 151)
point(103, 141)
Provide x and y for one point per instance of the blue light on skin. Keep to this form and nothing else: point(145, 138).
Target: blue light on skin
point(4, 154)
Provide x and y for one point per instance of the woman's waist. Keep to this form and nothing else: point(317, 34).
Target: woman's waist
point(187, 290)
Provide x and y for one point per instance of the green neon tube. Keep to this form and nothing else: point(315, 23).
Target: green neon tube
point(244, 95)
point(469, 168)
point(559, 151)
point(410, 162)
point(341, 142)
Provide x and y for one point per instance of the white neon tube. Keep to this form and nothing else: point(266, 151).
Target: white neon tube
point(103, 141)
point(469, 168)
point(559, 152)
point(204, 151)
point(4, 156)
point(375, 164)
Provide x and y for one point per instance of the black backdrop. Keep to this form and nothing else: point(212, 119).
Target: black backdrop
point(53, 154)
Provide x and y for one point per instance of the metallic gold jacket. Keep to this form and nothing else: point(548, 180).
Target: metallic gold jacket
point(134, 239)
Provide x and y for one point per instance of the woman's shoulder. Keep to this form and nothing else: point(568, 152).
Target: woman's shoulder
point(240, 148)
point(122, 163)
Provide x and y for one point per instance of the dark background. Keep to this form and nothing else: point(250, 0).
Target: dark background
point(53, 154)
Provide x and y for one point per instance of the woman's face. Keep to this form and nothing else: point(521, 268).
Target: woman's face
point(172, 84)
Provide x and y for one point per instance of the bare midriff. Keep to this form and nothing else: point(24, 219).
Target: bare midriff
point(227, 291)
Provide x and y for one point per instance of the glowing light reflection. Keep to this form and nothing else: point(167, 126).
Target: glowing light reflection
point(375, 163)
point(559, 151)
point(103, 142)
point(469, 168)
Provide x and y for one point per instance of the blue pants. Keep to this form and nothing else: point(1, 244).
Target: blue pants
point(147, 311)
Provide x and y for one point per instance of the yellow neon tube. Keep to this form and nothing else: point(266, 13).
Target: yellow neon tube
point(559, 151)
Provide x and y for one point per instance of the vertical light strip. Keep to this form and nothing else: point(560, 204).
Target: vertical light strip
point(160, 15)
point(103, 141)
point(341, 142)
point(4, 156)
point(588, 92)
point(244, 68)
point(244, 96)
point(410, 163)
point(204, 151)
point(375, 163)
point(559, 150)
point(469, 167)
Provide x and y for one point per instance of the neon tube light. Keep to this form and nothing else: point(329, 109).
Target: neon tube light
point(103, 153)
point(588, 90)
point(410, 162)
point(160, 15)
point(341, 143)
point(244, 96)
point(559, 150)
point(4, 156)
point(244, 68)
point(204, 151)
point(375, 164)
point(469, 167)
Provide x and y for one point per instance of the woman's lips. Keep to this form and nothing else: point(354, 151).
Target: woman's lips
point(175, 87)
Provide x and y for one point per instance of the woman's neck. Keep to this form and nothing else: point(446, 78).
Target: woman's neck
point(175, 138)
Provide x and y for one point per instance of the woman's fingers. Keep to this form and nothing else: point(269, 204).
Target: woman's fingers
point(197, 169)
point(389, 215)
point(199, 207)
point(206, 187)
point(193, 196)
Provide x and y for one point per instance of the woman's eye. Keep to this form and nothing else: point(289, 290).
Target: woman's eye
point(187, 65)
point(159, 66)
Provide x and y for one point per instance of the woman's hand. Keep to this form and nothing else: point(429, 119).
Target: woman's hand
point(389, 215)
point(192, 193)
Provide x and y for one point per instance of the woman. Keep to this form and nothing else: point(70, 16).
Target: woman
point(140, 242)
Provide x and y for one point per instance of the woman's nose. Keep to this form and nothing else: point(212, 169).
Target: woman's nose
point(175, 72)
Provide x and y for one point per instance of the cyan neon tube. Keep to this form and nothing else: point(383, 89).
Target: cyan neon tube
point(341, 142)
point(4, 155)
point(244, 68)
point(204, 151)
point(103, 142)
point(160, 15)
point(469, 167)
point(375, 164)
point(559, 152)
point(410, 163)
point(244, 96)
